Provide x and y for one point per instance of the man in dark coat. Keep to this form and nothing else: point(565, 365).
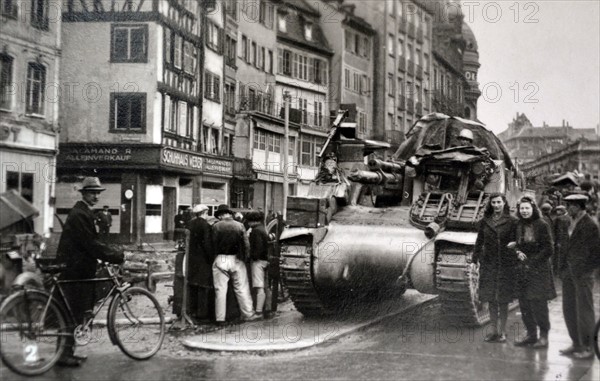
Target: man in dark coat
point(79, 249)
point(259, 249)
point(200, 281)
point(576, 266)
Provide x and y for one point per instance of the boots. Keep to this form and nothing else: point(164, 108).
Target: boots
point(527, 340)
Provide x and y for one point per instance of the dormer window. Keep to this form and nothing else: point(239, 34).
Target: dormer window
point(281, 23)
point(308, 29)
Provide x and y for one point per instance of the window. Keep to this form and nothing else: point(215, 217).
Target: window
point(189, 58)
point(230, 50)
point(270, 63)
point(362, 122)
point(409, 52)
point(310, 147)
point(214, 36)
point(10, 8)
point(6, 85)
point(285, 62)
point(253, 57)
point(356, 82)
point(266, 14)
point(364, 47)
point(261, 59)
point(36, 83)
point(244, 47)
point(231, 8)
point(409, 90)
point(303, 107)
point(319, 114)
point(212, 86)
point(391, 85)
point(274, 143)
point(168, 46)
point(127, 112)
point(390, 45)
point(349, 41)
point(260, 138)
point(365, 84)
point(39, 14)
point(130, 43)
point(281, 23)
point(400, 87)
point(347, 79)
point(229, 98)
point(20, 182)
point(177, 50)
point(308, 28)
point(400, 48)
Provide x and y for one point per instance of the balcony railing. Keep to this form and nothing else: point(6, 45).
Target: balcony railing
point(401, 64)
point(419, 73)
point(410, 67)
point(401, 102)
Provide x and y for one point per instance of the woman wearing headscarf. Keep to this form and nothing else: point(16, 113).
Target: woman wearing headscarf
point(534, 248)
point(496, 263)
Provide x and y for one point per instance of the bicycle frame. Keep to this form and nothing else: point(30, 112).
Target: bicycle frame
point(116, 288)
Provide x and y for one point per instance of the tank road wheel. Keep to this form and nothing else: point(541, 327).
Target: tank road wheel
point(458, 286)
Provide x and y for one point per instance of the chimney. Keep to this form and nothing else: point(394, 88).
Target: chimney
point(563, 123)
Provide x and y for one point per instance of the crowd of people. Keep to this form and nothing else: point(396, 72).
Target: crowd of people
point(519, 258)
point(219, 256)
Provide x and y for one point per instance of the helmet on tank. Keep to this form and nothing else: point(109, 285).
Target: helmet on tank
point(466, 134)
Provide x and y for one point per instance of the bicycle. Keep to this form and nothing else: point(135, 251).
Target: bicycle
point(34, 322)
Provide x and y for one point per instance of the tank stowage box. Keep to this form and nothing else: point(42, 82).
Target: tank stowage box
point(308, 212)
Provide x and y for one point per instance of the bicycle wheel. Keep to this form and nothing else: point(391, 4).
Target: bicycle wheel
point(136, 323)
point(33, 332)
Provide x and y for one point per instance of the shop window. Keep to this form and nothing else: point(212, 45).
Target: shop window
point(20, 182)
point(6, 84)
point(130, 44)
point(36, 83)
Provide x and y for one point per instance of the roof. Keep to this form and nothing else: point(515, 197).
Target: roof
point(299, 14)
point(555, 132)
point(14, 208)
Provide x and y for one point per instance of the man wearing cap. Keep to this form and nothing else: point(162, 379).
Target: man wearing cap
point(259, 248)
point(79, 249)
point(581, 257)
point(200, 280)
point(232, 248)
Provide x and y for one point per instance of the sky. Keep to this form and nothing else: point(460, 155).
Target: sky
point(541, 58)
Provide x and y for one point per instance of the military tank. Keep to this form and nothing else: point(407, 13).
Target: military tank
point(370, 226)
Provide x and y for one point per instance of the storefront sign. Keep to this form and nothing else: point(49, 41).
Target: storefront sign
point(218, 166)
point(181, 159)
point(77, 155)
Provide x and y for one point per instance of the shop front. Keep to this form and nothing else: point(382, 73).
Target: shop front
point(146, 185)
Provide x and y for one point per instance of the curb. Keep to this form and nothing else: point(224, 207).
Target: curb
point(199, 341)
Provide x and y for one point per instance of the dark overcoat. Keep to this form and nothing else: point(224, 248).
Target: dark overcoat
point(201, 253)
point(539, 283)
point(582, 252)
point(79, 247)
point(79, 250)
point(496, 262)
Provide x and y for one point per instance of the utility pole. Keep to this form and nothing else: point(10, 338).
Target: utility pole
point(286, 150)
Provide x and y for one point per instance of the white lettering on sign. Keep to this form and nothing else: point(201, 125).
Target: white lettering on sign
point(98, 154)
point(216, 165)
point(181, 159)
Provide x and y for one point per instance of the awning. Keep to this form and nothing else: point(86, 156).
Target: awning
point(275, 128)
point(14, 208)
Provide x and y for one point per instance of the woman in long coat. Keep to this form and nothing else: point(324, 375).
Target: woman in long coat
point(534, 249)
point(496, 263)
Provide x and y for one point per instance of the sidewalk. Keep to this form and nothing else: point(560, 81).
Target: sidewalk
point(290, 330)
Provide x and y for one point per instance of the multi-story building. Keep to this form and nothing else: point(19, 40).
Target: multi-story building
point(302, 72)
point(29, 96)
point(470, 69)
point(581, 155)
point(449, 82)
point(352, 40)
point(259, 138)
point(137, 122)
point(402, 59)
point(526, 143)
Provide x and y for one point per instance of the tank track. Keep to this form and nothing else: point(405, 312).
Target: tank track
point(457, 281)
point(296, 268)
